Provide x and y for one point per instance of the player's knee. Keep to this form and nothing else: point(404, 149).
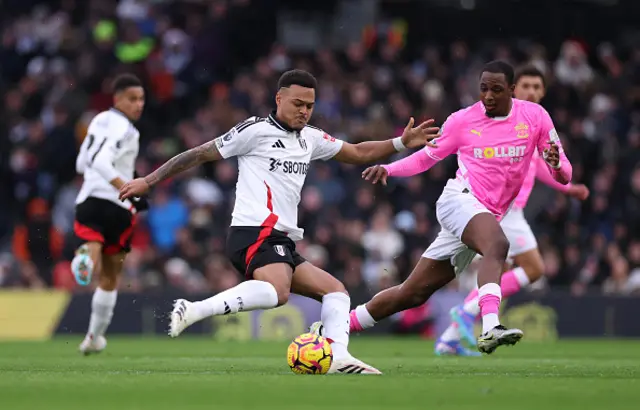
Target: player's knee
point(283, 295)
point(279, 276)
point(497, 248)
point(335, 286)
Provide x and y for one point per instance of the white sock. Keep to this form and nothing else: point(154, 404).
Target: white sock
point(335, 320)
point(249, 295)
point(365, 320)
point(489, 321)
point(450, 334)
point(521, 277)
point(471, 306)
point(102, 306)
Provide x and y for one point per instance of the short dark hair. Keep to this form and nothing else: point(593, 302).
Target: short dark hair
point(500, 67)
point(297, 77)
point(124, 81)
point(530, 71)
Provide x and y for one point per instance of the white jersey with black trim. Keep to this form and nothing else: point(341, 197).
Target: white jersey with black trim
point(273, 161)
point(108, 151)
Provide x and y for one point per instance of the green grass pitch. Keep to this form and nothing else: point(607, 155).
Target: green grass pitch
point(198, 373)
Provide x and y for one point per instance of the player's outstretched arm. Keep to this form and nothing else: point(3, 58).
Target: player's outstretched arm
point(447, 143)
point(372, 151)
point(196, 156)
point(412, 165)
point(543, 173)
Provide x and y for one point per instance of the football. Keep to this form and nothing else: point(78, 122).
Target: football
point(309, 354)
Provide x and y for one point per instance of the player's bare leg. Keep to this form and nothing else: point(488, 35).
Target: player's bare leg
point(484, 235)
point(528, 268)
point(430, 275)
point(315, 283)
point(427, 277)
point(86, 262)
point(532, 264)
point(103, 302)
point(270, 287)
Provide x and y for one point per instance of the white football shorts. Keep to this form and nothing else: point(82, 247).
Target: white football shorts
point(454, 209)
point(518, 232)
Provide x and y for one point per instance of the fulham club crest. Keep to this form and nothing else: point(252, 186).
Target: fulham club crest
point(279, 249)
point(303, 143)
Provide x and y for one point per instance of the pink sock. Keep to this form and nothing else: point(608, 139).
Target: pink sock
point(489, 302)
point(360, 319)
point(354, 323)
point(512, 281)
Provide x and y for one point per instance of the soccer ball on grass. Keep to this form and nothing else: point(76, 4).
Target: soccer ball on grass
point(309, 354)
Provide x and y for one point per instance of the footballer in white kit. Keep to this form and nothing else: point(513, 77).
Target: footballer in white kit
point(103, 223)
point(274, 155)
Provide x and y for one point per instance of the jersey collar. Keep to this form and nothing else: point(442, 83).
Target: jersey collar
point(279, 124)
point(117, 111)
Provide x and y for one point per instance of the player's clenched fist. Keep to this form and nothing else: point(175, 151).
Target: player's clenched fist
point(136, 188)
point(375, 173)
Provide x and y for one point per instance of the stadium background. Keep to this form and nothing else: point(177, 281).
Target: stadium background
point(209, 64)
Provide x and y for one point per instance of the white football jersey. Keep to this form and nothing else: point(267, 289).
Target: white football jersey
point(108, 151)
point(273, 161)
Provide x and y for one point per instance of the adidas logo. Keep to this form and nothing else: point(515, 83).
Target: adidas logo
point(278, 144)
point(351, 369)
point(227, 309)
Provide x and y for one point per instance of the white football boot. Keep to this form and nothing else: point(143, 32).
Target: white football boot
point(181, 317)
point(349, 365)
point(92, 344)
point(489, 341)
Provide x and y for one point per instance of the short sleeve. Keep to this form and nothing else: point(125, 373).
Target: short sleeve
point(236, 142)
point(325, 146)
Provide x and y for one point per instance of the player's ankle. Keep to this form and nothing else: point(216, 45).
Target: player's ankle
point(340, 351)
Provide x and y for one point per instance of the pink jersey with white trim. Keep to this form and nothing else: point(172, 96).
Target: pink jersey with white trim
point(496, 154)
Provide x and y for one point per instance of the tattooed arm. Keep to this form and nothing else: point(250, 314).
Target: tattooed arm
point(236, 142)
point(195, 156)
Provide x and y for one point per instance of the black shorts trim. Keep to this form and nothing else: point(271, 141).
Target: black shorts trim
point(252, 247)
point(103, 221)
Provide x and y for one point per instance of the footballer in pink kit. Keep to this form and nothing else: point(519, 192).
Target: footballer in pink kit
point(523, 250)
point(495, 140)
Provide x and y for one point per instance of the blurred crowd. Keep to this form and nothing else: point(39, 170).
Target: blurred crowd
point(57, 64)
